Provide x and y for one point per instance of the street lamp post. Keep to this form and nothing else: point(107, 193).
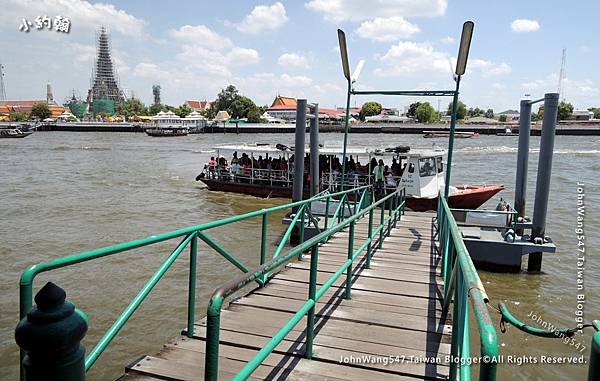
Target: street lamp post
point(461, 65)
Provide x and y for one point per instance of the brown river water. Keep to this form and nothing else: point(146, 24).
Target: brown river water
point(64, 193)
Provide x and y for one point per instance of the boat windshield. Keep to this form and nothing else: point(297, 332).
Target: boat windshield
point(427, 167)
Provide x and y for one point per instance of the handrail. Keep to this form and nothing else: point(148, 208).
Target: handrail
point(461, 282)
point(190, 234)
point(213, 318)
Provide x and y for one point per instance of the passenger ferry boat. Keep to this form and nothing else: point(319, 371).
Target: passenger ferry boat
point(264, 170)
point(168, 124)
point(14, 132)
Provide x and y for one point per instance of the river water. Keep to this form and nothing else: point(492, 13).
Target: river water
point(62, 193)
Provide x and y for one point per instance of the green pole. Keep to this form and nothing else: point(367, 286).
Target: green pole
point(349, 269)
point(312, 291)
point(192, 286)
point(451, 138)
point(346, 128)
point(213, 326)
point(369, 249)
point(263, 243)
point(382, 228)
point(594, 367)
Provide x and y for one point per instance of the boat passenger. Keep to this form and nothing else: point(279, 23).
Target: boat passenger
point(236, 169)
point(378, 172)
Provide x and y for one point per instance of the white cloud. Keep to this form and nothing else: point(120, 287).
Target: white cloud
point(83, 15)
point(447, 40)
point(263, 17)
point(498, 86)
point(584, 87)
point(407, 57)
point(209, 52)
point(524, 25)
point(201, 35)
point(294, 60)
point(358, 10)
point(387, 29)
point(489, 68)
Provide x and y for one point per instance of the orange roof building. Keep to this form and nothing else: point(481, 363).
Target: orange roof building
point(25, 106)
point(283, 101)
point(198, 105)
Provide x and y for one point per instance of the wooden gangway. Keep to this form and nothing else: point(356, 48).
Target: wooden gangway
point(391, 328)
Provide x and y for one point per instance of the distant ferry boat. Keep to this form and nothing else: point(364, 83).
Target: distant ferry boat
point(266, 171)
point(14, 132)
point(170, 124)
point(445, 134)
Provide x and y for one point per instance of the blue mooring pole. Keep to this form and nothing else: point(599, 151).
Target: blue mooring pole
point(51, 335)
point(522, 159)
point(542, 186)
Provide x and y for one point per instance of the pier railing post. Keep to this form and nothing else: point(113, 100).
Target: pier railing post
point(369, 246)
point(192, 286)
point(263, 243)
point(312, 291)
point(51, 334)
point(350, 254)
point(380, 243)
point(594, 367)
point(213, 327)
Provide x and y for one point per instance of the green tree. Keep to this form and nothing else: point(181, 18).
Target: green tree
point(370, 109)
point(461, 110)
point(132, 107)
point(412, 110)
point(155, 109)
point(502, 118)
point(426, 113)
point(18, 116)
point(255, 115)
point(40, 111)
point(224, 100)
point(183, 110)
point(565, 110)
point(241, 106)
point(489, 113)
point(596, 111)
point(540, 113)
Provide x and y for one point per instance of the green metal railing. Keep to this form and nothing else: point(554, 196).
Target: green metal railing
point(190, 238)
point(396, 204)
point(463, 286)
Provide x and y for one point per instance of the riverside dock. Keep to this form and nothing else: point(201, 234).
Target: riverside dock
point(395, 314)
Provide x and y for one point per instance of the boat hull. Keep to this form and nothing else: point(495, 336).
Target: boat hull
point(467, 196)
point(16, 136)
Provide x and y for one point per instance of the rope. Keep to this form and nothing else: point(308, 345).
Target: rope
point(569, 332)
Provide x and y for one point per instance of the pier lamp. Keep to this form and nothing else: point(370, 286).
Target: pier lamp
point(465, 44)
point(461, 66)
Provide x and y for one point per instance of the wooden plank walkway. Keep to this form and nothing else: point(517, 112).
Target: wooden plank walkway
point(395, 311)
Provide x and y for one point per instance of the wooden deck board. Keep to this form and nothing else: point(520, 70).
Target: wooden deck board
point(395, 311)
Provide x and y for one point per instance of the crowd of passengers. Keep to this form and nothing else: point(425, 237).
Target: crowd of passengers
point(246, 168)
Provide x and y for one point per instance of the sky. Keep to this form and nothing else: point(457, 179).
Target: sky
point(195, 48)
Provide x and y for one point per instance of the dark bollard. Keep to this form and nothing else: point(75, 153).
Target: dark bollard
point(50, 335)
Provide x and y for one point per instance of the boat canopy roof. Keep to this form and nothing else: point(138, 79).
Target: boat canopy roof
point(330, 150)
